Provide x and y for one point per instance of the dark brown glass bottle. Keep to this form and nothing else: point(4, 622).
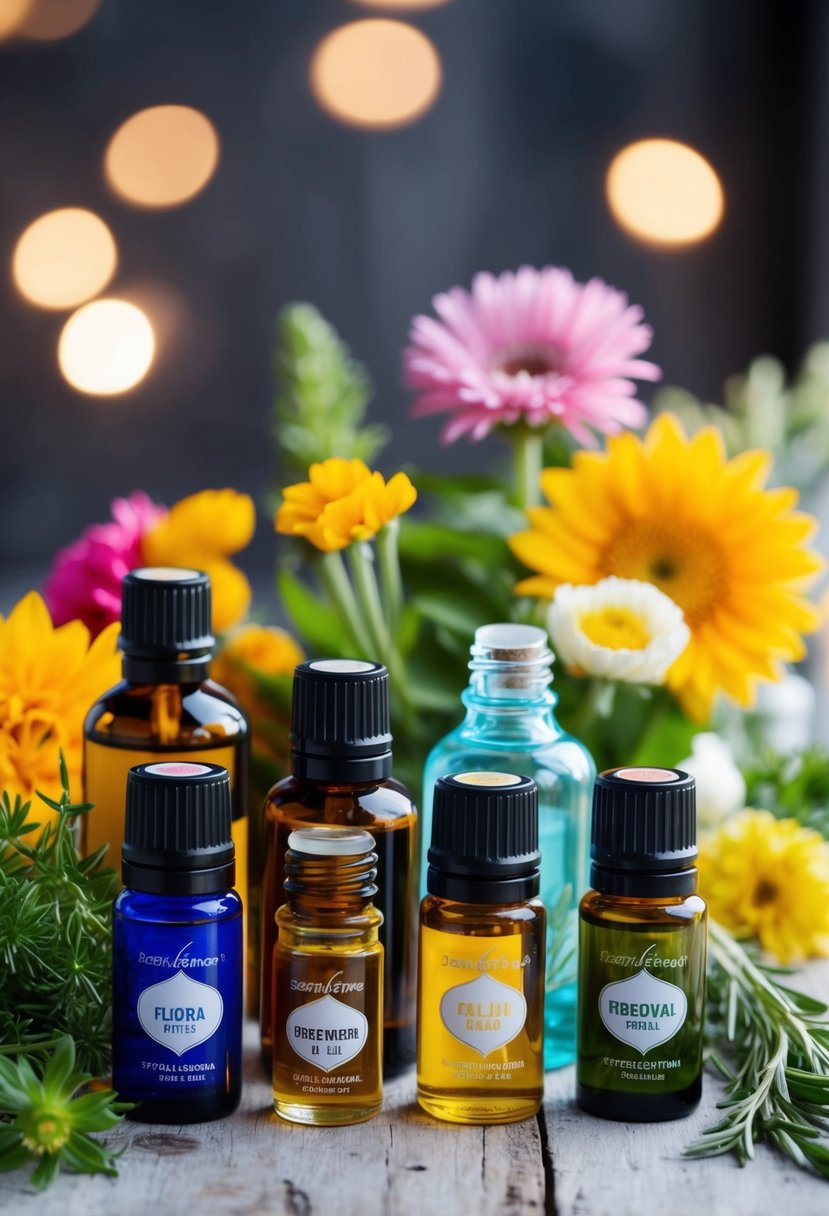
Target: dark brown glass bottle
point(341, 757)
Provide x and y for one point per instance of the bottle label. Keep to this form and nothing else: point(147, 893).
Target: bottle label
point(180, 1013)
point(327, 1033)
point(483, 1013)
point(642, 1011)
point(177, 1006)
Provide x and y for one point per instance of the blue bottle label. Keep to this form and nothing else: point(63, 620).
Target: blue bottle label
point(177, 1008)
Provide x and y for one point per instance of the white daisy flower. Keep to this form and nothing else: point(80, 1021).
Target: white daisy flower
point(721, 789)
point(617, 629)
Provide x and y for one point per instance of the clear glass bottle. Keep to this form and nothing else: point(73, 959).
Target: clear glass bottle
point(482, 945)
point(510, 724)
point(328, 980)
point(642, 951)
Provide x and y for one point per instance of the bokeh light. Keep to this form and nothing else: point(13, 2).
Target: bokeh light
point(106, 347)
point(163, 156)
point(13, 14)
point(664, 193)
point(64, 257)
point(48, 20)
point(376, 73)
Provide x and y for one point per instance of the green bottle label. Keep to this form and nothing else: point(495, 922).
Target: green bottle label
point(641, 994)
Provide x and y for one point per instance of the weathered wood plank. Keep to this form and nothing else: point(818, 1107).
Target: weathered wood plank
point(601, 1168)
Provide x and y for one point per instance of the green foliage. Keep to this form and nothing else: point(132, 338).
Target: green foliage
point(793, 786)
point(771, 1044)
point(55, 934)
point(322, 394)
point(47, 1115)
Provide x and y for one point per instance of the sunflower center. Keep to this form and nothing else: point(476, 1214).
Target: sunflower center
point(615, 628)
point(680, 559)
point(531, 358)
point(765, 892)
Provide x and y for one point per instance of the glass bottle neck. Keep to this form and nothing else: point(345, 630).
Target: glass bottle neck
point(326, 886)
point(519, 705)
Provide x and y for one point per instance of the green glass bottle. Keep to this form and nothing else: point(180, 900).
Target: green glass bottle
point(642, 946)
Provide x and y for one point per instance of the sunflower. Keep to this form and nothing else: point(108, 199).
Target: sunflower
point(768, 878)
point(675, 512)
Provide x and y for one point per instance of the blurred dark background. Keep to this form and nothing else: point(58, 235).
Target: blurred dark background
point(507, 166)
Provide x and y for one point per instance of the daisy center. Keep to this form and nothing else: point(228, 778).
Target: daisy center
point(615, 628)
point(765, 892)
point(682, 560)
point(531, 358)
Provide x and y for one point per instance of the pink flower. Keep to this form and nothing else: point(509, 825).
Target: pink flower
point(85, 580)
point(533, 346)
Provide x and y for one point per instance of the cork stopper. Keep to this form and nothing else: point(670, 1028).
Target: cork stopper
point(512, 658)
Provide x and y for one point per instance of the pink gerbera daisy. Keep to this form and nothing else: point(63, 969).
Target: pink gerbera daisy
point(532, 346)
point(85, 580)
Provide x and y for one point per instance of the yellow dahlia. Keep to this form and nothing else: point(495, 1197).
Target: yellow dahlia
point(768, 878)
point(48, 679)
point(342, 502)
point(204, 531)
point(675, 512)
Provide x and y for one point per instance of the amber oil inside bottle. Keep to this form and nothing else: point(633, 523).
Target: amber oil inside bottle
point(328, 981)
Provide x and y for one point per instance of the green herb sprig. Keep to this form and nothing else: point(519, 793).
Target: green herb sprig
point(771, 1044)
point(55, 934)
point(50, 1120)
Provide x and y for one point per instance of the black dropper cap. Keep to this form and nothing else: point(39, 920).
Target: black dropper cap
point(177, 837)
point(340, 725)
point(484, 846)
point(644, 836)
point(166, 625)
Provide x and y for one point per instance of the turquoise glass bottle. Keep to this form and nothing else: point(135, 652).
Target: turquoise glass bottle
point(510, 725)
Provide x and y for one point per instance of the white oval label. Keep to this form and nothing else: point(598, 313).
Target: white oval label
point(180, 1012)
point(642, 1011)
point(483, 1013)
point(327, 1033)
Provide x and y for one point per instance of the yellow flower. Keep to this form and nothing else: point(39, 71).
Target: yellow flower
point(342, 502)
point(769, 878)
point(203, 531)
point(675, 512)
point(269, 651)
point(48, 680)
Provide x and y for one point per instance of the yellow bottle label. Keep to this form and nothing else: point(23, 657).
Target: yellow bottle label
point(474, 1000)
point(105, 785)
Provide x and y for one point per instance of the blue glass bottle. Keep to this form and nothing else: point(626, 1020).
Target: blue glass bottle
point(510, 724)
point(177, 948)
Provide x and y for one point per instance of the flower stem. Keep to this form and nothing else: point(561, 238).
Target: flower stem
point(391, 579)
point(528, 452)
point(341, 594)
point(361, 558)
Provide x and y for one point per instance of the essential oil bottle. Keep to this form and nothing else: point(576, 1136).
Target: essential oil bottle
point(642, 951)
point(177, 948)
point(165, 708)
point(328, 974)
point(341, 760)
point(510, 724)
point(480, 1040)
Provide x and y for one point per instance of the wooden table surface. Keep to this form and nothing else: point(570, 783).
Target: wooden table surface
point(404, 1164)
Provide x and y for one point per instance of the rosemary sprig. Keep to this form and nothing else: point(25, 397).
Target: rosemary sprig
point(771, 1043)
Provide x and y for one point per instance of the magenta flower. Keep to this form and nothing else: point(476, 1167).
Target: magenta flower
point(85, 580)
point(532, 346)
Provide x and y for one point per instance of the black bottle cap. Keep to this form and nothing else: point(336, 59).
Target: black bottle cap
point(166, 624)
point(340, 727)
point(644, 835)
point(484, 846)
point(177, 837)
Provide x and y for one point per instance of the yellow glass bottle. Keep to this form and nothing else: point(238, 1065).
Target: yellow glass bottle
point(480, 1041)
point(328, 981)
point(165, 707)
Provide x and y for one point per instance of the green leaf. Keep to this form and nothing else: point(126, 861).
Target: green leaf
point(429, 542)
point(315, 621)
point(60, 1066)
point(46, 1171)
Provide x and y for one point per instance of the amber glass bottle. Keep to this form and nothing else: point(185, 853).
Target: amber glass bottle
point(480, 1041)
point(165, 707)
point(328, 975)
point(642, 947)
point(341, 760)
